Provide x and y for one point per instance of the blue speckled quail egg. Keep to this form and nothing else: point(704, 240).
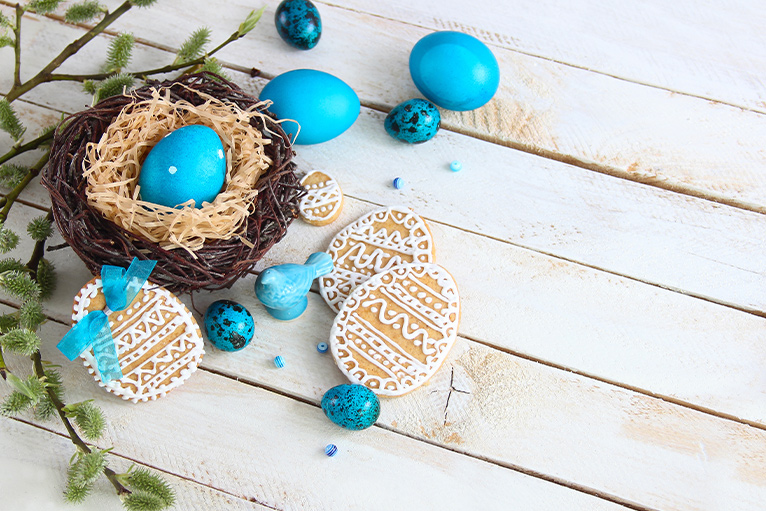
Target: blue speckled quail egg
point(351, 406)
point(229, 325)
point(298, 23)
point(414, 121)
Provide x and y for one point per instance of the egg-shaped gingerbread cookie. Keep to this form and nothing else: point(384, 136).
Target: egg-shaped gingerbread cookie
point(158, 341)
point(395, 330)
point(324, 200)
point(376, 242)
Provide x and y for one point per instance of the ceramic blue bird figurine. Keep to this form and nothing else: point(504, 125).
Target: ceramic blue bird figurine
point(282, 289)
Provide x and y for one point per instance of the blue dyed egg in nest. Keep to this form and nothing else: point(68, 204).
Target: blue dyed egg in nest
point(229, 325)
point(298, 23)
point(351, 406)
point(414, 121)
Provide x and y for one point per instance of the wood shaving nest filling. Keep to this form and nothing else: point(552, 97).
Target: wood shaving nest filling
point(111, 168)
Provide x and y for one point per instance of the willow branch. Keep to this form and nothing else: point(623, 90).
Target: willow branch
point(9, 199)
point(44, 75)
point(17, 46)
point(39, 251)
point(3, 367)
point(76, 440)
point(29, 146)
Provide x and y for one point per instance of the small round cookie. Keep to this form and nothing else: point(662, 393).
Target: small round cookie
point(395, 330)
point(159, 344)
point(376, 242)
point(324, 200)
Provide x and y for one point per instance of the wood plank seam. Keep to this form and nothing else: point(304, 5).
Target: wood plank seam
point(144, 463)
point(602, 168)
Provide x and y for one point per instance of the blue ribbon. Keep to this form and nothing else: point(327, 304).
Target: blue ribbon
point(120, 288)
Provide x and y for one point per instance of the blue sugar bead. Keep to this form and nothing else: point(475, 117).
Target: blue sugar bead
point(322, 347)
point(455, 166)
point(414, 121)
point(331, 450)
point(279, 361)
point(351, 406)
point(298, 23)
point(398, 183)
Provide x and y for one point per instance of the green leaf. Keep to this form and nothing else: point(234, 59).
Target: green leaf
point(45, 409)
point(88, 418)
point(142, 480)
point(9, 121)
point(21, 341)
point(12, 174)
point(194, 46)
point(15, 403)
point(90, 87)
point(5, 21)
point(46, 278)
point(84, 11)
point(250, 21)
point(8, 239)
point(6, 40)
point(11, 264)
point(8, 322)
point(19, 285)
point(40, 228)
point(43, 6)
point(119, 52)
point(142, 3)
point(33, 388)
point(212, 65)
point(114, 85)
point(31, 315)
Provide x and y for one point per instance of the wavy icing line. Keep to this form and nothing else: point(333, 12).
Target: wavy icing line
point(365, 248)
point(158, 314)
point(322, 199)
point(384, 324)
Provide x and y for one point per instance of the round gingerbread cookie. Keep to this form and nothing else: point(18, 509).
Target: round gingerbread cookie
point(324, 200)
point(395, 330)
point(159, 344)
point(373, 244)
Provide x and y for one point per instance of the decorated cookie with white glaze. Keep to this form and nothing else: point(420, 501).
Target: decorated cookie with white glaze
point(159, 344)
point(373, 244)
point(324, 200)
point(395, 330)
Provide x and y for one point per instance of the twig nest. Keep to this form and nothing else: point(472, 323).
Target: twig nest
point(93, 175)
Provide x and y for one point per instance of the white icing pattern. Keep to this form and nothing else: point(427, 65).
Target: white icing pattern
point(159, 343)
point(323, 198)
point(366, 248)
point(395, 330)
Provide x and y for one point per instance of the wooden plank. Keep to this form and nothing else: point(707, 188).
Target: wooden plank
point(621, 227)
point(562, 313)
point(658, 137)
point(259, 445)
point(33, 467)
point(701, 50)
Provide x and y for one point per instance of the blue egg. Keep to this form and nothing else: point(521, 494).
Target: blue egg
point(298, 23)
point(454, 70)
point(189, 163)
point(350, 406)
point(229, 325)
point(324, 106)
point(414, 121)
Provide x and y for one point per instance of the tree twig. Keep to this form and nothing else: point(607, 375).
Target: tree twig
point(76, 440)
point(17, 47)
point(44, 75)
point(9, 199)
point(29, 146)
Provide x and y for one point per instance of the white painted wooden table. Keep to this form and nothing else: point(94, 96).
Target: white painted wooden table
point(607, 234)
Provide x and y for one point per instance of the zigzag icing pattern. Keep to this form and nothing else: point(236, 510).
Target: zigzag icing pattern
point(395, 330)
point(368, 247)
point(323, 199)
point(156, 321)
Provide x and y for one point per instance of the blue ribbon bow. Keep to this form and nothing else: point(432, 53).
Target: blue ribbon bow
point(120, 288)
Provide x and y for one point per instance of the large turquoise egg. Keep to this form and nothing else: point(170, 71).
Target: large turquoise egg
point(189, 163)
point(454, 70)
point(324, 106)
point(351, 406)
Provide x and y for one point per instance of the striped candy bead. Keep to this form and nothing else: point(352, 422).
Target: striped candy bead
point(279, 361)
point(398, 183)
point(331, 450)
point(322, 347)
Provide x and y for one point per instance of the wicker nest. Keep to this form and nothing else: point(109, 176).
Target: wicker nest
point(218, 263)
